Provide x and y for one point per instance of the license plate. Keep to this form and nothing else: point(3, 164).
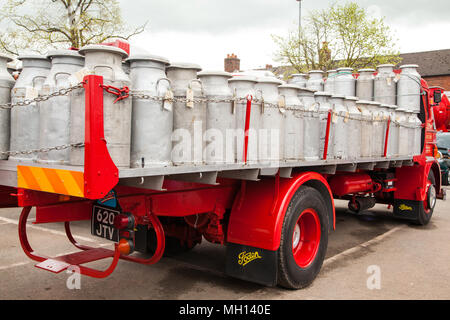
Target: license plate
point(102, 223)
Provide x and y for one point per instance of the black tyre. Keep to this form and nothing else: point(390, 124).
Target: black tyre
point(427, 208)
point(304, 239)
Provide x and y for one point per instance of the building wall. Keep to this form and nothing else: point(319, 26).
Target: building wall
point(439, 81)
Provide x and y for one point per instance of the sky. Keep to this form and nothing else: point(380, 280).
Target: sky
point(205, 31)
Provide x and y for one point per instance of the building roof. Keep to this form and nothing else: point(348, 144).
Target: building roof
point(431, 63)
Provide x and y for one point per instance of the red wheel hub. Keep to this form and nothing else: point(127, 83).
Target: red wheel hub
point(306, 238)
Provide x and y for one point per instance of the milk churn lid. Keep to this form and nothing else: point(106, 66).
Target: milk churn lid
point(269, 80)
point(32, 56)
point(243, 78)
point(99, 47)
point(148, 57)
point(289, 86)
point(307, 90)
point(351, 98)
point(63, 53)
point(367, 70)
point(316, 71)
point(363, 102)
point(298, 75)
point(338, 96)
point(184, 65)
point(374, 103)
point(345, 69)
point(214, 73)
point(386, 65)
point(409, 66)
point(323, 94)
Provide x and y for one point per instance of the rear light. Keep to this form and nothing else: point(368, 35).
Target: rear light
point(123, 221)
point(126, 246)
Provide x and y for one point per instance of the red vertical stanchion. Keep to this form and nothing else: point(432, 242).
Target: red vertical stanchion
point(327, 135)
point(247, 126)
point(386, 141)
point(100, 173)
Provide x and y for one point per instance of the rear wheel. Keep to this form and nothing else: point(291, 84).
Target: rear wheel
point(304, 239)
point(427, 208)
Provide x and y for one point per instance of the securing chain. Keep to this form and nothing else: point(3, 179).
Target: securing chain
point(41, 98)
point(43, 150)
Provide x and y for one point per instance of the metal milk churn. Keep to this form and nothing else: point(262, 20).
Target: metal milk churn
point(315, 81)
point(392, 150)
point(311, 133)
point(329, 82)
point(271, 133)
point(189, 118)
point(366, 128)
point(409, 88)
point(385, 113)
point(411, 132)
point(6, 83)
point(403, 135)
point(340, 126)
point(417, 149)
point(243, 87)
point(385, 86)
point(105, 61)
point(25, 119)
point(152, 120)
point(55, 112)
point(220, 118)
point(344, 82)
point(324, 106)
point(377, 129)
point(365, 84)
point(126, 65)
point(294, 123)
point(354, 128)
point(299, 79)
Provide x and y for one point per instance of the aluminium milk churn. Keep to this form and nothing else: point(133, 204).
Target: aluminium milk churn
point(385, 113)
point(412, 125)
point(403, 135)
point(300, 79)
point(354, 128)
point(315, 81)
point(273, 109)
point(311, 129)
point(345, 83)
point(339, 127)
point(294, 123)
point(365, 84)
point(6, 83)
point(385, 85)
point(55, 112)
point(377, 129)
point(409, 88)
point(152, 119)
point(105, 61)
point(189, 118)
point(366, 128)
point(25, 119)
point(220, 118)
point(323, 101)
point(243, 87)
point(417, 149)
point(329, 82)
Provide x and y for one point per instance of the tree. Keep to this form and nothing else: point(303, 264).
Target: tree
point(340, 36)
point(39, 25)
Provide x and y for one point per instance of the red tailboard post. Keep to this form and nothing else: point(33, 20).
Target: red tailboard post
point(100, 173)
point(247, 126)
point(327, 135)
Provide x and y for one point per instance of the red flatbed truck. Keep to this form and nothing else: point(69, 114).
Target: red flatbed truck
point(273, 220)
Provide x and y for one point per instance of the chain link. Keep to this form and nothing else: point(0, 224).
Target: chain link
point(45, 150)
point(41, 98)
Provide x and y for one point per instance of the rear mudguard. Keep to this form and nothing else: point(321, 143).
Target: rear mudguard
point(258, 212)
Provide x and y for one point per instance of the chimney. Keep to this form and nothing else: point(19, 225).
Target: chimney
point(232, 63)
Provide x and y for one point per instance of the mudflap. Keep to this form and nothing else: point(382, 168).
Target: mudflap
point(252, 264)
point(407, 209)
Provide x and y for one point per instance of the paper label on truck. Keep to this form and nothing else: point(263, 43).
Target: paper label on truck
point(168, 100)
point(78, 76)
point(190, 98)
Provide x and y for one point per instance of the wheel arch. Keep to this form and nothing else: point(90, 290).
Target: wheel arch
point(256, 220)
